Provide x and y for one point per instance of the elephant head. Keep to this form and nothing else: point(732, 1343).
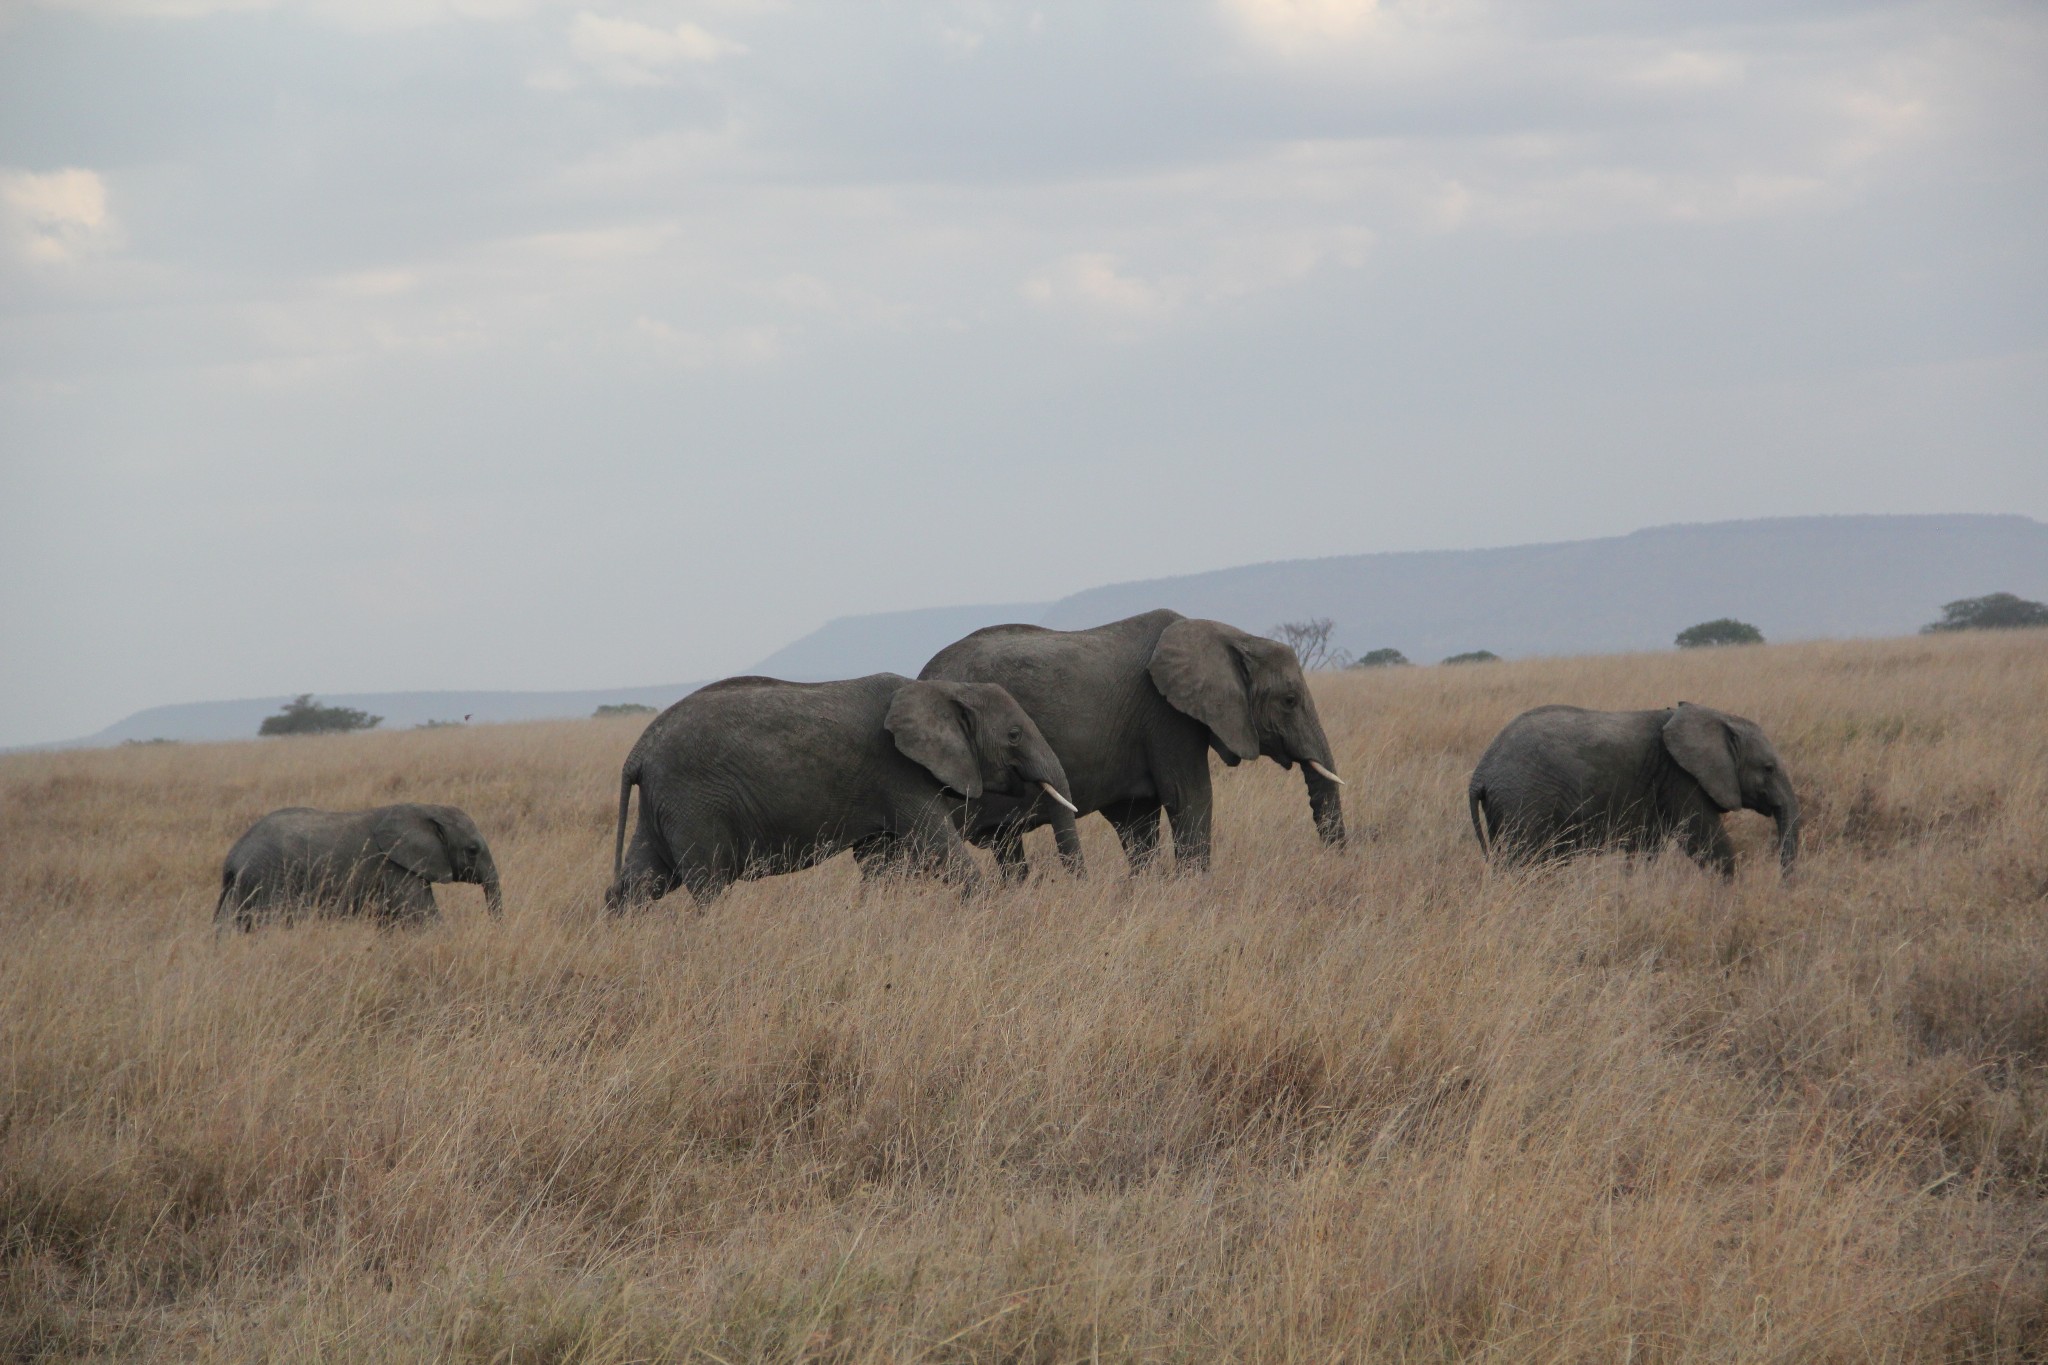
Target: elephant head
point(1736, 767)
point(439, 844)
point(975, 738)
point(1250, 694)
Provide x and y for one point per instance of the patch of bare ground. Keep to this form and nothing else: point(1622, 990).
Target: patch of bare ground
point(1378, 1104)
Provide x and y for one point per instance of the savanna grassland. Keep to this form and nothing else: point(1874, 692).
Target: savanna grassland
point(1377, 1104)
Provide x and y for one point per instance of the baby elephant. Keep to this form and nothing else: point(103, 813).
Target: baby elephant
point(1560, 779)
point(754, 776)
point(381, 863)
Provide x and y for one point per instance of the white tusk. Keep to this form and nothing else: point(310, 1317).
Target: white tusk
point(1054, 793)
point(1321, 771)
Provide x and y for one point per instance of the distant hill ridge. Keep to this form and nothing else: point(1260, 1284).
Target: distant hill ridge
point(1794, 577)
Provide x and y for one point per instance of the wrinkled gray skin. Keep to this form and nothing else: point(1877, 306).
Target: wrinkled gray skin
point(1133, 709)
point(1559, 780)
point(379, 863)
point(755, 776)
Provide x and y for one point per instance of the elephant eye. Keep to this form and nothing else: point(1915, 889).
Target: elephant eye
point(1016, 733)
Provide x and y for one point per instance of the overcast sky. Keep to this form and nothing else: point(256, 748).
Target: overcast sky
point(389, 344)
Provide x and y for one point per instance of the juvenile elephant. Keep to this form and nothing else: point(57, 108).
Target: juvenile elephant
point(1560, 779)
point(1133, 709)
point(754, 776)
point(380, 863)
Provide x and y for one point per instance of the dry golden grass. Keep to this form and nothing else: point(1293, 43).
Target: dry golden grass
point(1381, 1104)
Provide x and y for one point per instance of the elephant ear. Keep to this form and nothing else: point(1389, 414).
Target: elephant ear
point(930, 727)
point(410, 838)
point(1196, 668)
point(1699, 739)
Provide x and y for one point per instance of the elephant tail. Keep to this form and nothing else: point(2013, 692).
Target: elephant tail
point(629, 777)
point(1475, 797)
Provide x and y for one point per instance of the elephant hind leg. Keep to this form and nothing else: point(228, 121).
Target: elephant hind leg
point(645, 875)
point(1137, 829)
point(231, 911)
point(705, 884)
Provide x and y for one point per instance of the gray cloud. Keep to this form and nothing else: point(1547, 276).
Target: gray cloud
point(514, 345)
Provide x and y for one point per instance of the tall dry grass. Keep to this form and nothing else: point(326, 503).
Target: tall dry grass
point(1383, 1104)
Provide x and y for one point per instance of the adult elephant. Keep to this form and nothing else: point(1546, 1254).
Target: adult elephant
point(381, 863)
point(1560, 779)
point(754, 776)
point(1133, 709)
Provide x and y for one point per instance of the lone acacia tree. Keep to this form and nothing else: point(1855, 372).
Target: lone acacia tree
point(1381, 658)
point(1996, 611)
point(1724, 630)
point(1310, 641)
point(303, 716)
point(1474, 656)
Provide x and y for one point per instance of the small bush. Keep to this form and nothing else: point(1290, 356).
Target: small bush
point(1381, 658)
point(621, 708)
point(441, 724)
point(303, 716)
point(1996, 611)
point(1725, 630)
point(1474, 656)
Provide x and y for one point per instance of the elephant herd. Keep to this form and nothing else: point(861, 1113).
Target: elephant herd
point(1008, 729)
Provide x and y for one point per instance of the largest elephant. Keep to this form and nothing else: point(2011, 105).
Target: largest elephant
point(1134, 709)
point(755, 776)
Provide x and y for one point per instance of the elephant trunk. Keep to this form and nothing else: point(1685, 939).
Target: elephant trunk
point(494, 893)
point(1786, 809)
point(1324, 803)
point(1041, 769)
point(1319, 771)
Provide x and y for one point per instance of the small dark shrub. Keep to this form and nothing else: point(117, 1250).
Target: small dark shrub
point(1724, 630)
point(1381, 658)
point(621, 708)
point(1474, 656)
point(1998, 611)
point(303, 716)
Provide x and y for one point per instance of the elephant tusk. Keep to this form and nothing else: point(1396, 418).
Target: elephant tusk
point(1054, 793)
point(1320, 771)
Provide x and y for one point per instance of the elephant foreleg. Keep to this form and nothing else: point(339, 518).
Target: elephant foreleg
point(1191, 837)
point(405, 900)
point(1137, 828)
point(933, 846)
point(1012, 866)
point(1707, 844)
point(877, 856)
